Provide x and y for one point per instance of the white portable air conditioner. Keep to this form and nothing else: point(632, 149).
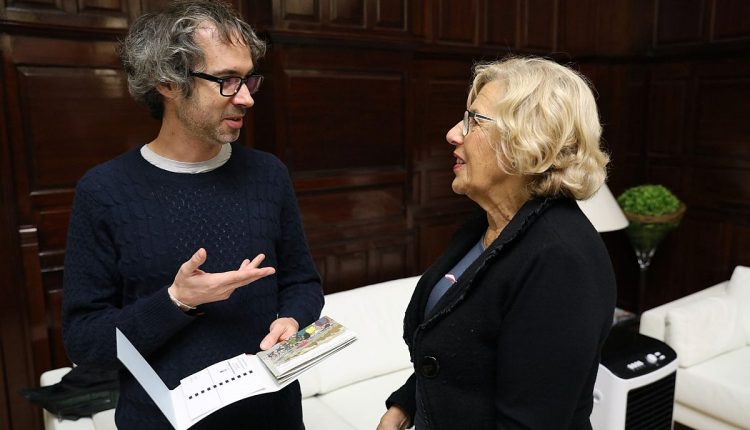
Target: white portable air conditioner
point(634, 387)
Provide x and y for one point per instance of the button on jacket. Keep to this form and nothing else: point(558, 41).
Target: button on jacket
point(515, 342)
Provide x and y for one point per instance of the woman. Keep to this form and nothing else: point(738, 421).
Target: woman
point(505, 329)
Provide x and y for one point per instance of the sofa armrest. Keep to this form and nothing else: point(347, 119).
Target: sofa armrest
point(100, 420)
point(51, 377)
point(653, 321)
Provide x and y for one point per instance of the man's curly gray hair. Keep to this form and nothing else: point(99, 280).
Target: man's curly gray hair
point(160, 48)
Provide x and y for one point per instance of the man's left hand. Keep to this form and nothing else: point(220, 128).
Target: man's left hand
point(280, 330)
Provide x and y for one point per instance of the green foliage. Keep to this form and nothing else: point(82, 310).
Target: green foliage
point(648, 200)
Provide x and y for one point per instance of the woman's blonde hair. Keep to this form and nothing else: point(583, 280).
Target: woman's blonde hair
point(548, 126)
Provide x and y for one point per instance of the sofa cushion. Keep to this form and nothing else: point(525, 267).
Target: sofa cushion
point(719, 387)
point(309, 382)
point(104, 420)
point(363, 403)
point(703, 329)
point(739, 289)
point(653, 321)
point(376, 313)
point(317, 415)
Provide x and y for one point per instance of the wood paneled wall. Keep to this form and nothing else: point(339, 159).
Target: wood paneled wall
point(358, 97)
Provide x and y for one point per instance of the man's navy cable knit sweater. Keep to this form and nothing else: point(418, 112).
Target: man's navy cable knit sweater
point(131, 228)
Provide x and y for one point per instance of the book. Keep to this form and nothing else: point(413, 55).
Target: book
point(288, 359)
point(236, 378)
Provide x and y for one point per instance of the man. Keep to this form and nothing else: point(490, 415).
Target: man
point(161, 237)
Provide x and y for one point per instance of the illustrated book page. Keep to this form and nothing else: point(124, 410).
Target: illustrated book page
point(306, 348)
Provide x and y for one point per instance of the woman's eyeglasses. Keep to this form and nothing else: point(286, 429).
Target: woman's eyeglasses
point(468, 115)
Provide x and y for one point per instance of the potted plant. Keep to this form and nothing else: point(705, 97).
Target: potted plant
point(653, 211)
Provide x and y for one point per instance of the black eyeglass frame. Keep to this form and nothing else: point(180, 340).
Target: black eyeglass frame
point(467, 124)
point(257, 77)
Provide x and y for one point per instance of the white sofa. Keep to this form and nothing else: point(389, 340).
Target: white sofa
point(348, 390)
point(710, 331)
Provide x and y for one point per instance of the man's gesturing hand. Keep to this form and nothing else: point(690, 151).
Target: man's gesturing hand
point(194, 287)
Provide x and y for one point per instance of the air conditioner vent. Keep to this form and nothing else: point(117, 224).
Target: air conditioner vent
point(651, 406)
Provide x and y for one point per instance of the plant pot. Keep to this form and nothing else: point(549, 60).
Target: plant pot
point(646, 231)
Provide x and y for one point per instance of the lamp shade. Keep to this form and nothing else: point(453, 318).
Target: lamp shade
point(603, 211)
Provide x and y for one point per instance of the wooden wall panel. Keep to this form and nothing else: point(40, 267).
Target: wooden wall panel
point(578, 32)
point(53, 227)
point(349, 268)
point(705, 238)
point(434, 234)
point(37, 316)
point(18, 373)
point(15, 347)
point(355, 224)
point(336, 207)
point(391, 14)
point(4, 413)
point(730, 20)
point(348, 12)
point(339, 120)
point(445, 103)
point(36, 4)
point(457, 21)
point(720, 187)
point(740, 237)
point(102, 6)
point(77, 15)
point(624, 28)
point(348, 265)
point(24, 328)
point(155, 5)
point(441, 86)
point(500, 22)
point(58, 356)
point(622, 98)
point(671, 174)
point(342, 18)
point(539, 25)
point(40, 5)
point(721, 124)
point(367, 100)
point(668, 113)
point(680, 22)
point(700, 237)
point(54, 143)
point(299, 10)
point(7, 232)
point(637, 113)
point(83, 127)
point(69, 110)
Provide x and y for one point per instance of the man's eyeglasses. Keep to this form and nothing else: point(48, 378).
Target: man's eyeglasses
point(230, 85)
point(468, 115)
